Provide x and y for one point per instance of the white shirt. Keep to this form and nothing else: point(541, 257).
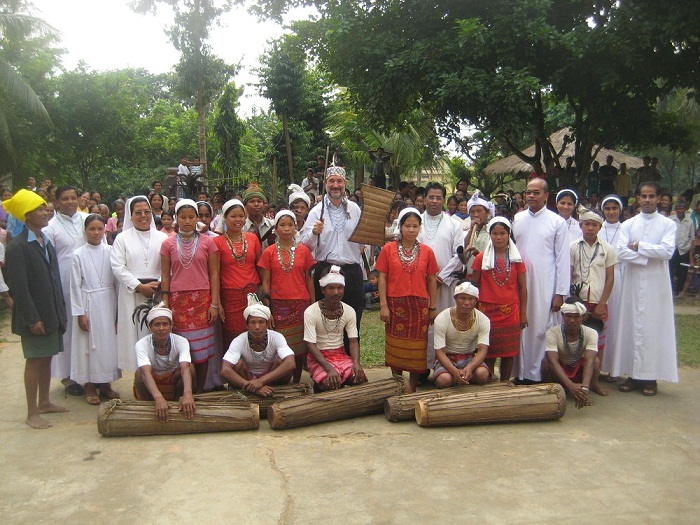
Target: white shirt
point(315, 330)
point(258, 363)
point(454, 341)
point(333, 244)
point(179, 353)
point(684, 233)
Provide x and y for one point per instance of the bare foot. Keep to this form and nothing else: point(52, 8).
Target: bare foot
point(51, 408)
point(599, 390)
point(38, 422)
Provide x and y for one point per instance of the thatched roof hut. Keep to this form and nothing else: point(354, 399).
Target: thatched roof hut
point(513, 164)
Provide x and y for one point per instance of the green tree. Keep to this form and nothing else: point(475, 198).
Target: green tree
point(229, 129)
point(201, 75)
point(501, 65)
point(26, 57)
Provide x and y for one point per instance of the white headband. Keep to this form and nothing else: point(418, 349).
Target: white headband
point(159, 310)
point(410, 209)
point(332, 277)
point(612, 198)
point(476, 200)
point(565, 192)
point(584, 214)
point(186, 202)
point(285, 213)
point(256, 308)
point(298, 193)
point(576, 308)
point(467, 288)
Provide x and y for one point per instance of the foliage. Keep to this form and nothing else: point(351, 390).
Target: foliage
point(504, 65)
point(26, 58)
point(229, 129)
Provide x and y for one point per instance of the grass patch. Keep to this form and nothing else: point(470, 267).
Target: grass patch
point(687, 338)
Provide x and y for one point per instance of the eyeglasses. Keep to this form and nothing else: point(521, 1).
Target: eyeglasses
point(533, 192)
point(434, 198)
point(143, 213)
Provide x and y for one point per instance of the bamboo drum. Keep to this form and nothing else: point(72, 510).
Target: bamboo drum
point(403, 407)
point(523, 403)
point(138, 418)
point(279, 393)
point(351, 401)
point(370, 229)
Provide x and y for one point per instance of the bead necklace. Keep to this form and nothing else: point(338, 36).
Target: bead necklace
point(431, 225)
point(408, 257)
point(584, 266)
point(462, 325)
point(579, 345)
point(102, 265)
point(331, 327)
point(168, 346)
point(238, 256)
point(338, 214)
point(187, 249)
point(501, 267)
point(258, 355)
point(291, 251)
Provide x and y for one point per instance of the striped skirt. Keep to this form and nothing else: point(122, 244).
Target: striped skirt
point(234, 301)
point(190, 310)
point(504, 339)
point(289, 321)
point(406, 333)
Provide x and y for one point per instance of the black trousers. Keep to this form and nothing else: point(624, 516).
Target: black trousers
point(354, 294)
point(680, 272)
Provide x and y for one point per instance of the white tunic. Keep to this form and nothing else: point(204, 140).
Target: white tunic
point(646, 340)
point(66, 234)
point(135, 255)
point(573, 230)
point(541, 238)
point(444, 234)
point(93, 293)
point(610, 233)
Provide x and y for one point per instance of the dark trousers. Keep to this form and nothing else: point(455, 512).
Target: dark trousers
point(354, 294)
point(676, 269)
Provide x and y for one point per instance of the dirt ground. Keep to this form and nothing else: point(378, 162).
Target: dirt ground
point(628, 459)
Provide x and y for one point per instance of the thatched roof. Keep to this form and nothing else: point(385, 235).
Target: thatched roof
point(513, 164)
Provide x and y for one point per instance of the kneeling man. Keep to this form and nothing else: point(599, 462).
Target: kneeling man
point(461, 341)
point(260, 358)
point(324, 323)
point(571, 354)
point(165, 369)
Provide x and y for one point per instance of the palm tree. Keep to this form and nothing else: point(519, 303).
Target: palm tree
point(16, 96)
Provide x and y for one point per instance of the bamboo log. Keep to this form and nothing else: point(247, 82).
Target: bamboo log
point(403, 407)
point(352, 401)
point(279, 393)
point(138, 418)
point(370, 228)
point(523, 403)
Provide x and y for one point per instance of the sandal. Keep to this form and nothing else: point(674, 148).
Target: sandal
point(93, 400)
point(629, 385)
point(75, 389)
point(649, 389)
point(612, 379)
point(110, 394)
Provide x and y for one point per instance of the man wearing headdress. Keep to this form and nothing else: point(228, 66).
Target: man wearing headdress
point(379, 157)
point(254, 200)
point(299, 203)
point(541, 238)
point(165, 370)
point(67, 233)
point(135, 261)
point(259, 358)
point(39, 313)
point(646, 338)
point(325, 322)
point(477, 238)
point(327, 233)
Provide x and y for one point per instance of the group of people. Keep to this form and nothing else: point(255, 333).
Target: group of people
point(226, 295)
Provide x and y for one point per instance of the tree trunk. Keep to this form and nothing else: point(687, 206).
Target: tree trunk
point(288, 144)
point(274, 180)
point(201, 114)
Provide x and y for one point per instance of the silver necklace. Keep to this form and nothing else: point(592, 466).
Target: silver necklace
point(327, 323)
point(431, 225)
point(102, 265)
point(338, 214)
point(610, 241)
point(145, 248)
point(73, 231)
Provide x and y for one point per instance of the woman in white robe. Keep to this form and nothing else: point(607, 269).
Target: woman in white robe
point(94, 311)
point(135, 261)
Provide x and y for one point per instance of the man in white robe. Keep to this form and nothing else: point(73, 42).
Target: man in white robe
point(541, 238)
point(135, 261)
point(444, 235)
point(646, 338)
point(67, 233)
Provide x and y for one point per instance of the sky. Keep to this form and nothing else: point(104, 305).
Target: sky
point(107, 34)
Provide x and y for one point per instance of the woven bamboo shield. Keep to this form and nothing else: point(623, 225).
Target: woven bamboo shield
point(351, 401)
point(279, 393)
point(370, 229)
point(138, 418)
point(403, 408)
point(523, 403)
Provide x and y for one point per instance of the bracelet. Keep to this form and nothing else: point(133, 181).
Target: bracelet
point(213, 306)
point(432, 309)
point(584, 388)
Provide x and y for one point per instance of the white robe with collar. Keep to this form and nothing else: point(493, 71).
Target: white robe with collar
point(543, 242)
point(645, 346)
